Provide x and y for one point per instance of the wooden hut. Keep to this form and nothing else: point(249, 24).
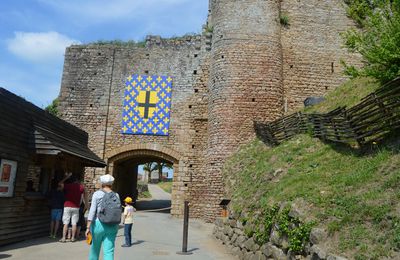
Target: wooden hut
point(36, 149)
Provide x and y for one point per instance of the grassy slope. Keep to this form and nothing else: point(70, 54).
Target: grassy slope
point(354, 196)
point(166, 186)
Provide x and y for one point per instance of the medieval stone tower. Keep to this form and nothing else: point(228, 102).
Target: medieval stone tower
point(246, 66)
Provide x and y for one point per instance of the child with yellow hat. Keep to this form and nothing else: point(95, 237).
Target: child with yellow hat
point(127, 219)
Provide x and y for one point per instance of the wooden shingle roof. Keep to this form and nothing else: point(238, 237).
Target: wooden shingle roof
point(40, 132)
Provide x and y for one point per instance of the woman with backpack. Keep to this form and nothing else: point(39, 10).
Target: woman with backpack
point(103, 219)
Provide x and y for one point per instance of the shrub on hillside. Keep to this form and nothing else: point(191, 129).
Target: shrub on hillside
point(377, 40)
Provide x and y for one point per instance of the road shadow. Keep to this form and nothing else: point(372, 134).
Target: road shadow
point(31, 241)
point(138, 242)
point(3, 256)
point(161, 206)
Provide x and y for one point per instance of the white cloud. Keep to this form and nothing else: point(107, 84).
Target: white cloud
point(43, 47)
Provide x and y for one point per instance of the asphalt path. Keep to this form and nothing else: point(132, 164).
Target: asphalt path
point(156, 235)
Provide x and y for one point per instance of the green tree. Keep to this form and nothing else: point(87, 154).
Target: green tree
point(161, 166)
point(377, 39)
point(156, 166)
point(149, 168)
point(53, 107)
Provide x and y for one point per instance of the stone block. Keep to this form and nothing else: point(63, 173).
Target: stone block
point(236, 251)
point(234, 237)
point(240, 240)
point(318, 235)
point(277, 253)
point(275, 237)
point(239, 231)
point(335, 257)
point(248, 255)
point(258, 256)
point(232, 223)
point(318, 253)
point(251, 245)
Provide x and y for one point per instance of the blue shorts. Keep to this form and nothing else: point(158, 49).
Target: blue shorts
point(56, 214)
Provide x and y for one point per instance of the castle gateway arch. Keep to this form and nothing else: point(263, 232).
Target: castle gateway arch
point(94, 97)
point(244, 67)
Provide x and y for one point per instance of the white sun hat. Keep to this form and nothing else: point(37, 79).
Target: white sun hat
point(106, 179)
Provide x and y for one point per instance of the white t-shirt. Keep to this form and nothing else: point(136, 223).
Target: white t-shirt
point(128, 213)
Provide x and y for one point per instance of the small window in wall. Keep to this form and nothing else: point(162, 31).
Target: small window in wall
point(193, 146)
point(196, 90)
point(195, 72)
point(332, 67)
point(91, 105)
point(253, 100)
point(195, 55)
point(190, 106)
point(146, 72)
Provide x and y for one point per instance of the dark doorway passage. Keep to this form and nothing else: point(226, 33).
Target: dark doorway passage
point(130, 177)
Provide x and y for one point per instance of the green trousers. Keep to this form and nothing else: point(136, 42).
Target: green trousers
point(103, 234)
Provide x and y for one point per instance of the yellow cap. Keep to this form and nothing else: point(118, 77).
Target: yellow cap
point(128, 200)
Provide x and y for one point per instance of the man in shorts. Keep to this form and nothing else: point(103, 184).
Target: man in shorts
point(73, 191)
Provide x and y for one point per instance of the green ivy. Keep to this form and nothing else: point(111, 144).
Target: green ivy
point(298, 233)
point(260, 228)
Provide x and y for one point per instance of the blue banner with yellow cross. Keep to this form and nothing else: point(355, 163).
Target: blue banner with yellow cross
point(147, 105)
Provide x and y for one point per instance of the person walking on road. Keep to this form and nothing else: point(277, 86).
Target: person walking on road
point(103, 219)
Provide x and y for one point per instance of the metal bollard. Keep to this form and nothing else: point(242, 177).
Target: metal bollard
point(185, 230)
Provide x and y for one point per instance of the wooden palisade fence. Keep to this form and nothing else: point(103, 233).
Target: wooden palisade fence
point(376, 115)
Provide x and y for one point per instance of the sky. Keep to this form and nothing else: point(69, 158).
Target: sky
point(35, 33)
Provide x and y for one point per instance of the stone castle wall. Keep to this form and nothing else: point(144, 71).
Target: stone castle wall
point(312, 48)
point(245, 79)
point(92, 96)
point(245, 66)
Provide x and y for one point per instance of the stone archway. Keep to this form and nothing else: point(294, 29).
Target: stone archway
point(123, 164)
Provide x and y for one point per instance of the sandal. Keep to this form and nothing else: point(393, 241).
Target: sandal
point(72, 240)
point(62, 240)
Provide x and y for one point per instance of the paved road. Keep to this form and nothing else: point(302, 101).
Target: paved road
point(157, 193)
point(157, 236)
point(160, 199)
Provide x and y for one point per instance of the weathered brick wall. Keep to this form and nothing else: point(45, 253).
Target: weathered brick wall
point(92, 96)
point(245, 80)
point(313, 48)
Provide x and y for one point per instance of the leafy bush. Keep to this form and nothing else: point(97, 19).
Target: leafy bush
point(377, 41)
point(53, 107)
point(260, 227)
